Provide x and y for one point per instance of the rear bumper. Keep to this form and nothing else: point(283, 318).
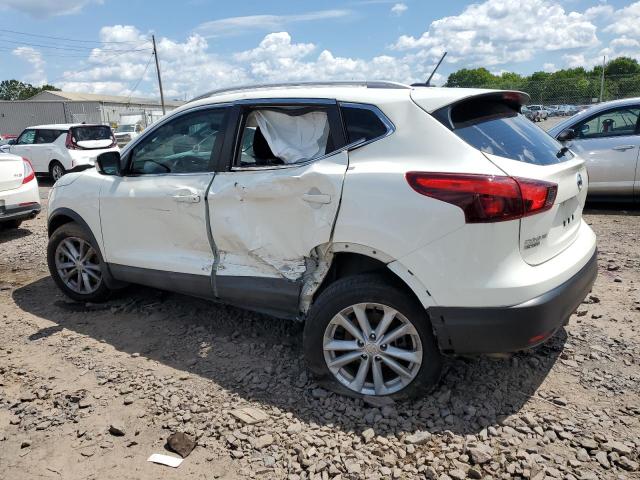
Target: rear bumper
point(19, 212)
point(474, 330)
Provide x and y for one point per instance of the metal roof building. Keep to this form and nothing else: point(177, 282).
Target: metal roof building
point(70, 107)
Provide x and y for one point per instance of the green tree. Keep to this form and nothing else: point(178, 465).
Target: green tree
point(475, 77)
point(621, 66)
point(17, 90)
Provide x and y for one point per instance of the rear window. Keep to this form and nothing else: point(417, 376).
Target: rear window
point(97, 132)
point(497, 128)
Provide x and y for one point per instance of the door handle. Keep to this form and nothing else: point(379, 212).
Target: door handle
point(622, 148)
point(186, 197)
point(316, 198)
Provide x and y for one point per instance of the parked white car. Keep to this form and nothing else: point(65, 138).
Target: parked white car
point(607, 136)
point(398, 223)
point(538, 112)
point(58, 149)
point(19, 196)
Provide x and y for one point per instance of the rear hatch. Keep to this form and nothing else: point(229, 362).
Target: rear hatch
point(92, 136)
point(11, 171)
point(492, 124)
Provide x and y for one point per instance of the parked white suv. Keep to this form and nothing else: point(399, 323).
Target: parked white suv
point(57, 149)
point(399, 223)
point(19, 196)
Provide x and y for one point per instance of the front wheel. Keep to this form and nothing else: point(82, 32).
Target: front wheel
point(371, 338)
point(76, 265)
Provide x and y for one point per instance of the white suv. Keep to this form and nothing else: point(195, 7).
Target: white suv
point(57, 149)
point(398, 223)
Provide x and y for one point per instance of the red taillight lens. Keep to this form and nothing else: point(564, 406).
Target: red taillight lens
point(486, 198)
point(70, 142)
point(29, 174)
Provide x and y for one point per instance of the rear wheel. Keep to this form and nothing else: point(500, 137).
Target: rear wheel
point(10, 224)
point(76, 265)
point(56, 170)
point(371, 338)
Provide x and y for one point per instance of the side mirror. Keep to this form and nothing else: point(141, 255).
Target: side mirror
point(566, 135)
point(108, 163)
point(11, 141)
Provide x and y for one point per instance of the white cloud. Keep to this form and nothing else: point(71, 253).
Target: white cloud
point(549, 67)
point(599, 13)
point(625, 21)
point(496, 32)
point(399, 8)
point(47, 8)
point(239, 25)
point(34, 58)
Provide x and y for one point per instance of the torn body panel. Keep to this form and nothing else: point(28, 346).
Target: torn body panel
point(266, 222)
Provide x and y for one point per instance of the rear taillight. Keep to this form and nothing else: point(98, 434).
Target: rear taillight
point(29, 174)
point(70, 142)
point(486, 198)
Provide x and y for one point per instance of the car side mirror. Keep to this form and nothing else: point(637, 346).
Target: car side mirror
point(108, 163)
point(566, 135)
point(11, 141)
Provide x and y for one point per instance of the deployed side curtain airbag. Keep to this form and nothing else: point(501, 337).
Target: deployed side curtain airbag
point(294, 138)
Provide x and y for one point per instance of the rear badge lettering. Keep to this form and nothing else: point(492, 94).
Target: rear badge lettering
point(534, 242)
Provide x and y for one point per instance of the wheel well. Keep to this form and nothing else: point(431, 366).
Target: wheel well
point(57, 221)
point(55, 161)
point(346, 264)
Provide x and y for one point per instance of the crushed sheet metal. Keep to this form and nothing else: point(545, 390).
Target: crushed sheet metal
point(318, 265)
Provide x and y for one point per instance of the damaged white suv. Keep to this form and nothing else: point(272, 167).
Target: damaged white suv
point(398, 223)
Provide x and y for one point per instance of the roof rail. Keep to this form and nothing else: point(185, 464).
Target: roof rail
point(373, 84)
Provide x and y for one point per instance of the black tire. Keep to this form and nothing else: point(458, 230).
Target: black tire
point(10, 224)
point(67, 230)
point(370, 288)
point(53, 168)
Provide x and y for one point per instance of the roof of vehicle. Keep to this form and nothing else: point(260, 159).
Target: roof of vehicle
point(65, 126)
point(599, 107)
point(431, 98)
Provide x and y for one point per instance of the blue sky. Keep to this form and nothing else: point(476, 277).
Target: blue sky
point(205, 44)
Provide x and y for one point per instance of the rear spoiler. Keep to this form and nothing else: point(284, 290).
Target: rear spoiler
point(434, 98)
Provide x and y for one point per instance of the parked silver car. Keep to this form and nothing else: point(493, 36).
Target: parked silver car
point(607, 136)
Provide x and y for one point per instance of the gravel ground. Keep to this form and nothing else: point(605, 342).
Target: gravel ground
point(90, 391)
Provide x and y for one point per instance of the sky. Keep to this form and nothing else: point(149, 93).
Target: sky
point(103, 46)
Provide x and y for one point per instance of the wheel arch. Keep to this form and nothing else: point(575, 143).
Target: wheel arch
point(349, 259)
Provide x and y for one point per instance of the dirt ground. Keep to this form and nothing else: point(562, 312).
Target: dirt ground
point(150, 363)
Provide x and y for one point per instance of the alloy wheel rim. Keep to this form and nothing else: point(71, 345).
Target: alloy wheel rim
point(372, 349)
point(78, 265)
point(57, 172)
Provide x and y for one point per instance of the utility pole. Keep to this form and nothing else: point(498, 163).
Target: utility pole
point(155, 54)
point(602, 79)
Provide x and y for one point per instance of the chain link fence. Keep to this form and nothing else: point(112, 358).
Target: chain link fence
point(575, 91)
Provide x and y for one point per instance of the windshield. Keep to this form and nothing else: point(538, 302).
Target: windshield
point(497, 129)
point(97, 132)
point(125, 128)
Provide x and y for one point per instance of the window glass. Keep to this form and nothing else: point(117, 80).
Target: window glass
point(285, 136)
point(621, 121)
point(183, 145)
point(47, 136)
point(496, 128)
point(362, 123)
point(27, 137)
point(95, 132)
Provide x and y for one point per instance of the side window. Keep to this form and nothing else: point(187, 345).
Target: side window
point(363, 122)
point(183, 145)
point(27, 137)
point(284, 135)
point(620, 121)
point(47, 136)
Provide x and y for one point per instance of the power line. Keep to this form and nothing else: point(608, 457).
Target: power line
point(73, 49)
point(132, 91)
point(62, 38)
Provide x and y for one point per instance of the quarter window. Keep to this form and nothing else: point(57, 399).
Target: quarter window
point(612, 123)
point(27, 137)
point(284, 135)
point(363, 122)
point(186, 144)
